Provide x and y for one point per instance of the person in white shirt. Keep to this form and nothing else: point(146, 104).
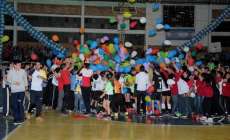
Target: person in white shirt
point(36, 96)
point(86, 73)
point(142, 81)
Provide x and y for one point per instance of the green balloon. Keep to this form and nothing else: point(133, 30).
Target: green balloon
point(112, 20)
point(193, 53)
point(106, 57)
point(111, 64)
point(89, 42)
point(123, 26)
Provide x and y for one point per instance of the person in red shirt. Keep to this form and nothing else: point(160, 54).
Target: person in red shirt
point(226, 93)
point(68, 100)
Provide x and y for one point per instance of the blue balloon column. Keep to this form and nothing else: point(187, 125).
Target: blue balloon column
point(212, 26)
point(1, 26)
point(39, 36)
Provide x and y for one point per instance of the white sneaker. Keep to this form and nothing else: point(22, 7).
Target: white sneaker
point(162, 106)
point(169, 106)
point(209, 120)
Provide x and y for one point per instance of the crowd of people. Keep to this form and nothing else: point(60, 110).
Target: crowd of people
point(183, 92)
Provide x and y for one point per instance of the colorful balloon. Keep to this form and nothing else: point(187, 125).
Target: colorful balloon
point(5, 38)
point(143, 20)
point(55, 38)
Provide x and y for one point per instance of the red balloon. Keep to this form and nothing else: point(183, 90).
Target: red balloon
point(76, 42)
point(133, 24)
point(199, 46)
point(190, 61)
point(34, 56)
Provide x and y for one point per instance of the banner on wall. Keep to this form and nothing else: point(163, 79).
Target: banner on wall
point(215, 47)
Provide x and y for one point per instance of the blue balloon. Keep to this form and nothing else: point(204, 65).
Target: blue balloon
point(198, 63)
point(116, 46)
point(140, 61)
point(117, 59)
point(151, 58)
point(60, 55)
point(155, 6)
point(116, 40)
point(181, 56)
point(178, 65)
point(127, 69)
point(101, 51)
point(167, 27)
point(172, 53)
point(48, 63)
point(93, 45)
point(152, 33)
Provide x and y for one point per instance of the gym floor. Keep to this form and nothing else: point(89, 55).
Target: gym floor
point(58, 127)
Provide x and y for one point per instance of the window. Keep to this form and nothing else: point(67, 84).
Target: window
point(225, 42)
point(223, 27)
point(180, 34)
point(99, 23)
point(63, 22)
point(179, 16)
point(64, 37)
point(135, 39)
point(93, 36)
point(8, 20)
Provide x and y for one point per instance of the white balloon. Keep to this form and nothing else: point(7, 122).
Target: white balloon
point(132, 62)
point(159, 26)
point(170, 82)
point(186, 49)
point(167, 61)
point(82, 57)
point(128, 44)
point(167, 43)
point(96, 51)
point(177, 59)
point(143, 20)
point(191, 69)
point(133, 54)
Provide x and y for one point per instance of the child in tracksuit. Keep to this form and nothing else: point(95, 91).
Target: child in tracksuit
point(78, 100)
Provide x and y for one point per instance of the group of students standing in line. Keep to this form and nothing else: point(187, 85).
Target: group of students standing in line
point(190, 90)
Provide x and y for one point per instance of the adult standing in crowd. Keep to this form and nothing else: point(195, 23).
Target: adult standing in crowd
point(142, 80)
point(17, 78)
point(36, 94)
point(86, 85)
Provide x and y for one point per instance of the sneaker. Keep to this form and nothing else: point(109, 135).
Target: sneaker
point(209, 120)
point(169, 106)
point(18, 122)
point(116, 115)
point(28, 116)
point(126, 113)
point(162, 106)
point(39, 119)
point(203, 118)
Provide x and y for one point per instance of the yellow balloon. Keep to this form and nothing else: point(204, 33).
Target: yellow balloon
point(43, 74)
point(5, 38)
point(132, 1)
point(127, 14)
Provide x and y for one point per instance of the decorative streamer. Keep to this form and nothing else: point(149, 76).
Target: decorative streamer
point(212, 26)
point(39, 36)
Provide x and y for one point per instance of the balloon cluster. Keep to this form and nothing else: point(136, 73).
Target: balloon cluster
point(56, 48)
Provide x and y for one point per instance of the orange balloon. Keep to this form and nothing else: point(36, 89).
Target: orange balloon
point(82, 30)
point(137, 68)
point(162, 65)
point(55, 38)
point(155, 50)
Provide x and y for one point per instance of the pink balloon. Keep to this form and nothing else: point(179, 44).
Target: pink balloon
point(133, 24)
